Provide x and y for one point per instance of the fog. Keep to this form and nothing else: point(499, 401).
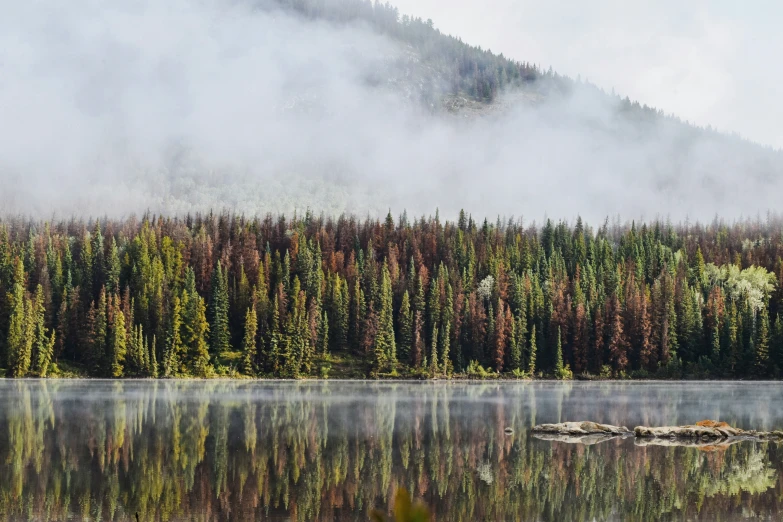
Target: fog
point(122, 107)
point(755, 405)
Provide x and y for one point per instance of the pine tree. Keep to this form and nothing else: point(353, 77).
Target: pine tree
point(43, 348)
point(515, 353)
point(220, 338)
point(19, 342)
point(176, 350)
point(249, 347)
point(531, 365)
point(500, 339)
point(417, 345)
point(195, 328)
point(434, 353)
point(405, 329)
point(559, 367)
point(762, 345)
point(154, 367)
point(273, 357)
point(323, 334)
point(445, 344)
point(118, 340)
point(776, 349)
point(385, 346)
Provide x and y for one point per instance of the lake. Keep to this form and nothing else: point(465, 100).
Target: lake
point(275, 450)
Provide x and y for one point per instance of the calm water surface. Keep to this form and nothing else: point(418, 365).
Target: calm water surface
point(218, 450)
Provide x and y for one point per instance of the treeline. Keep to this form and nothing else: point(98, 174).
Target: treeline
point(222, 294)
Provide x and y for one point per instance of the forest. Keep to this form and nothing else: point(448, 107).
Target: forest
point(225, 295)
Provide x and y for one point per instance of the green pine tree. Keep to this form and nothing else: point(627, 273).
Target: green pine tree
point(43, 347)
point(531, 365)
point(405, 328)
point(249, 347)
point(220, 338)
point(19, 342)
point(118, 342)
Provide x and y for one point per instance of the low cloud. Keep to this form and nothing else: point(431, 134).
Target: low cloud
point(115, 108)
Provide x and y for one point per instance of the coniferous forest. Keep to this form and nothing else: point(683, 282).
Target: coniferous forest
point(224, 295)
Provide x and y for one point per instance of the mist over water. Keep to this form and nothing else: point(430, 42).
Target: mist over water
point(117, 108)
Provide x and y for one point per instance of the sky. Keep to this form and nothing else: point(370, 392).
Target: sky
point(710, 62)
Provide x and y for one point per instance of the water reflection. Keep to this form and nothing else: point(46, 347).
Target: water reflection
point(217, 450)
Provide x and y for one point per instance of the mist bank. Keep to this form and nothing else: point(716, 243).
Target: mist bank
point(116, 109)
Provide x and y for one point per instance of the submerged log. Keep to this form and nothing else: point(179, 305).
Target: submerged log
point(580, 428)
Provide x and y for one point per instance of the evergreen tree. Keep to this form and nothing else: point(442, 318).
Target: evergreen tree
point(559, 367)
point(323, 334)
point(249, 348)
point(762, 345)
point(385, 345)
point(176, 351)
point(531, 365)
point(405, 329)
point(20, 342)
point(43, 348)
point(433, 366)
point(220, 338)
point(195, 328)
point(118, 340)
point(445, 344)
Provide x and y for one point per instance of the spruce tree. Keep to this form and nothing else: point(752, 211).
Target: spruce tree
point(323, 334)
point(43, 347)
point(515, 353)
point(433, 362)
point(385, 345)
point(762, 345)
point(249, 347)
point(118, 342)
point(445, 344)
point(220, 338)
point(176, 351)
point(405, 329)
point(531, 365)
point(19, 340)
point(195, 334)
point(559, 368)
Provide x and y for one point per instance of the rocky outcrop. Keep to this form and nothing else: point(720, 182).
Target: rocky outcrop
point(580, 428)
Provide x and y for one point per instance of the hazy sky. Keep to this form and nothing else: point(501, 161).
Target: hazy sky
point(708, 61)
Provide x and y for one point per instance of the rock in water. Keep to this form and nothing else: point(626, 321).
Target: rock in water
point(580, 428)
point(586, 440)
point(705, 430)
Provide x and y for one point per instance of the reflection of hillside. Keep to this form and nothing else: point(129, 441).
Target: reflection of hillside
point(317, 451)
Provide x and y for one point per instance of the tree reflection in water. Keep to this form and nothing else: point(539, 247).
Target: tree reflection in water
point(219, 450)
